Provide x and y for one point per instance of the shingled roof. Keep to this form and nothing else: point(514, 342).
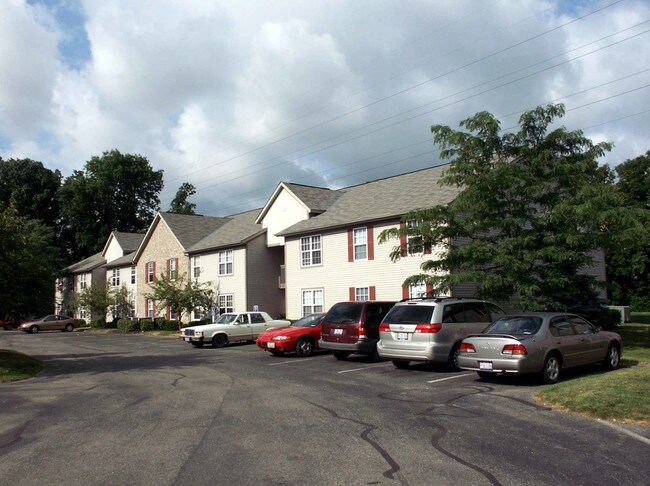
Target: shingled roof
point(380, 200)
point(87, 264)
point(191, 228)
point(129, 242)
point(239, 229)
point(317, 199)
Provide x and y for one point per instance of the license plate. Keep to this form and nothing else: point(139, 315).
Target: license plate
point(187, 340)
point(338, 331)
point(402, 336)
point(270, 345)
point(485, 365)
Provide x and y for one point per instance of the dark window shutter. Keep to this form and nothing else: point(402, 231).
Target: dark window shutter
point(373, 293)
point(402, 241)
point(405, 292)
point(371, 243)
point(429, 290)
point(350, 245)
point(352, 293)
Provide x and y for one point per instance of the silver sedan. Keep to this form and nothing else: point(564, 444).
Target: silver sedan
point(543, 343)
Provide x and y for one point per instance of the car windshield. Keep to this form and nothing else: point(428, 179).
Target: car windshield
point(515, 325)
point(409, 314)
point(226, 318)
point(347, 313)
point(308, 321)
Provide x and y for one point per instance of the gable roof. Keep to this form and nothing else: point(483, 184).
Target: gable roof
point(314, 199)
point(380, 200)
point(87, 264)
point(129, 242)
point(239, 229)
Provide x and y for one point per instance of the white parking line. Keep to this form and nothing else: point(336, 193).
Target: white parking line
point(297, 360)
point(365, 368)
point(449, 378)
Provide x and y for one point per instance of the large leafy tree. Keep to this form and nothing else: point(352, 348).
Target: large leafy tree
point(180, 204)
point(527, 216)
point(114, 192)
point(27, 267)
point(31, 189)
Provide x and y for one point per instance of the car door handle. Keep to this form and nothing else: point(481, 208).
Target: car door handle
point(558, 342)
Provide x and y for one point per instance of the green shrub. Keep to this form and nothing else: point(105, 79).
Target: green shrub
point(146, 325)
point(166, 325)
point(128, 325)
point(97, 323)
point(640, 303)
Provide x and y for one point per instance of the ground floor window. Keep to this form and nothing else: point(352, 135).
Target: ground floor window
point(150, 309)
point(417, 291)
point(362, 294)
point(312, 301)
point(226, 303)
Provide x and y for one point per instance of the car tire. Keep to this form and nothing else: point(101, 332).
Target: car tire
point(402, 364)
point(275, 352)
point(304, 347)
point(34, 329)
point(219, 341)
point(197, 344)
point(551, 370)
point(486, 375)
point(68, 328)
point(341, 355)
point(452, 362)
point(613, 357)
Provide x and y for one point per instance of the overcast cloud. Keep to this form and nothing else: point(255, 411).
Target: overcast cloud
point(236, 96)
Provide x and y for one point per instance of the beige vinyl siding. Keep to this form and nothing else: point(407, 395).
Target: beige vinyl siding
point(285, 211)
point(336, 275)
point(114, 251)
point(227, 284)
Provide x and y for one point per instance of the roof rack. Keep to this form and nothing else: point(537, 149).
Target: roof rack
point(435, 298)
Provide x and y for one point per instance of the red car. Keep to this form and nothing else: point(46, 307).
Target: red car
point(300, 337)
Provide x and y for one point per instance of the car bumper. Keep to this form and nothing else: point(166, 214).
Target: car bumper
point(500, 365)
point(431, 353)
point(284, 346)
point(366, 346)
point(193, 339)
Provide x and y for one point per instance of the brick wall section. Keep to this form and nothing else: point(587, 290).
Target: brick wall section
point(162, 246)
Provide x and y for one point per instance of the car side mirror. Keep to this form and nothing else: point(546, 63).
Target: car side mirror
point(598, 329)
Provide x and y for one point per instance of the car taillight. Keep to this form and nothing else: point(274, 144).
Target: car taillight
point(383, 327)
point(467, 348)
point(514, 349)
point(428, 328)
point(362, 332)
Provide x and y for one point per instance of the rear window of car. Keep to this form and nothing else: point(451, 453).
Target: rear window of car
point(410, 314)
point(345, 313)
point(515, 325)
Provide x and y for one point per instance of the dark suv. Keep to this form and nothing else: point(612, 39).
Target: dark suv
point(431, 329)
point(353, 327)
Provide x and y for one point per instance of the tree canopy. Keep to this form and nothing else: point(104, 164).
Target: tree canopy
point(114, 192)
point(527, 218)
point(180, 204)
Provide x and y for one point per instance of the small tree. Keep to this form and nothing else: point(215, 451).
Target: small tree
point(121, 306)
point(97, 298)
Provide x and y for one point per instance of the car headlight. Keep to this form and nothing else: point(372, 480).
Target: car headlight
point(280, 338)
point(198, 333)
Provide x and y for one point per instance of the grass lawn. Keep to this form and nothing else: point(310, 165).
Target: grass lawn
point(17, 366)
point(622, 395)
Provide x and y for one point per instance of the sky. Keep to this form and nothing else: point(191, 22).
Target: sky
point(236, 96)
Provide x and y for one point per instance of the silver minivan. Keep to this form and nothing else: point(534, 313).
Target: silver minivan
point(431, 329)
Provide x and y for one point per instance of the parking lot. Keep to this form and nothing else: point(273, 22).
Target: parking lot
point(130, 409)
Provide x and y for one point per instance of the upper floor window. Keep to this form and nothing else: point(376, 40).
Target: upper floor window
point(133, 274)
point(151, 272)
point(71, 282)
point(196, 266)
point(360, 242)
point(172, 263)
point(82, 281)
point(225, 262)
point(310, 251)
point(115, 277)
point(414, 242)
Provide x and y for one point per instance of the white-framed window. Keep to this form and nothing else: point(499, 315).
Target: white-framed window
point(151, 271)
point(132, 308)
point(82, 282)
point(360, 242)
point(173, 271)
point(226, 303)
point(362, 294)
point(115, 277)
point(150, 308)
point(414, 244)
point(196, 266)
point(172, 315)
point(312, 301)
point(310, 251)
point(71, 282)
point(133, 274)
point(417, 291)
point(82, 313)
point(225, 262)
point(197, 314)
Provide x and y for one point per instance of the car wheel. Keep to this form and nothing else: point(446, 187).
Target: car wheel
point(68, 328)
point(402, 364)
point(486, 375)
point(452, 363)
point(551, 369)
point(304, 347)
point(341, 355)
point(613, 358)
point(275, 352)
point(34, 329)
point(197, 344)
point(219, 341)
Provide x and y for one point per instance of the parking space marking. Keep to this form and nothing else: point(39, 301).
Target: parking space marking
point(449, 378)
point(297, 360)
point(364, 368)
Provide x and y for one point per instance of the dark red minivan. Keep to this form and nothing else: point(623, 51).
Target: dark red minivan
point(353, 327)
